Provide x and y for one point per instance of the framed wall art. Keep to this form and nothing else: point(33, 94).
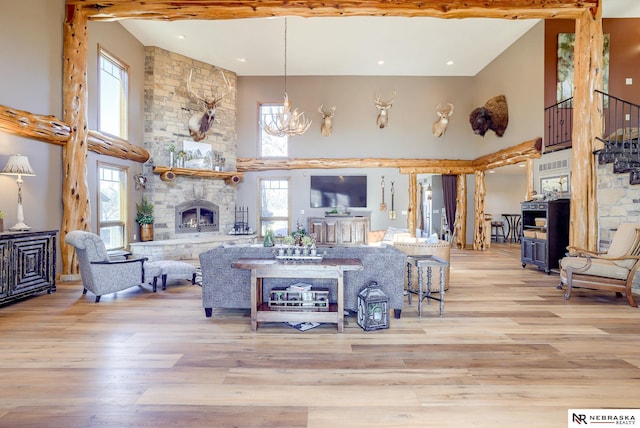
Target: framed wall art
point(197, 155)
point(565, 65)
point(558, 184)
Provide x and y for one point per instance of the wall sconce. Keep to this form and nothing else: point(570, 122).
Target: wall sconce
point(18, 165)
point(373, 308)
point(140, 181)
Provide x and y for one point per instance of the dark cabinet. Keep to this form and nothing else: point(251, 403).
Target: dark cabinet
point(27, 264)
point(545, 233)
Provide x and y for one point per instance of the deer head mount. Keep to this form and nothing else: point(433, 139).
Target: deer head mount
point(440, 126)
point(200, 123)
point(383, 106)
point(326, 127)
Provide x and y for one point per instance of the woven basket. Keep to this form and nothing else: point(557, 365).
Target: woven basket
point(442, 249)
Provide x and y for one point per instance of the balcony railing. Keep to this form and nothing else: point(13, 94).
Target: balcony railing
point(559, 121)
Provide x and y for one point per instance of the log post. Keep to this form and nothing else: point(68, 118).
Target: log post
point(460, 224)
point(411, 211)
point(530, 184)
point(75, 196)
point(583, 231)
point(479, 233)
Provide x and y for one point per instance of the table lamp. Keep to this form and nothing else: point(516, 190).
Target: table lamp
point(18, 165)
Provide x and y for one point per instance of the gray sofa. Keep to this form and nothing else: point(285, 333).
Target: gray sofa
point(227, 287)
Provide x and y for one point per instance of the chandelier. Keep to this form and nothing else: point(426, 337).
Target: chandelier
point(286, 122)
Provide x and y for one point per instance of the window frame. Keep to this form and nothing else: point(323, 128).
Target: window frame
point(124, 205)
point(260, 218)
point(261, 132)
point(124, 88)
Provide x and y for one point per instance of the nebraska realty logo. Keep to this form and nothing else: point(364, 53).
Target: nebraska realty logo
point(603, 417)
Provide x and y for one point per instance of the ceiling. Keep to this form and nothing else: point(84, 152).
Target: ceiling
point(342, 46)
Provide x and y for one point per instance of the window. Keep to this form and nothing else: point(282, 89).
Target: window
point(112, 210)
point(274, 209)
point(112, 90)
point(271, 146)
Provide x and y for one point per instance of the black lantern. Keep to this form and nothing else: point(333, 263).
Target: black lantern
point(373, 308)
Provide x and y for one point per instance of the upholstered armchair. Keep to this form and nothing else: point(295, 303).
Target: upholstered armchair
point(613, 270)
point(100, 275)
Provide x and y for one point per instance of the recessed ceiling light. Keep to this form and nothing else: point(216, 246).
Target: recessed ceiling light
point(492, 171)
point(521, 165)
point(381, 62)
point(449, 62)
point(181, 36)
point(241, 59)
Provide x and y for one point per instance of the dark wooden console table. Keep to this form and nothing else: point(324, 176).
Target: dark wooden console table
point(272, 268)
point(27, 264)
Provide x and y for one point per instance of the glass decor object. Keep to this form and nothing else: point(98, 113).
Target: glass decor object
point(373, 308)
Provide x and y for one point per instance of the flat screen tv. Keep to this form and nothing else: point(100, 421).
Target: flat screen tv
point(332, 191)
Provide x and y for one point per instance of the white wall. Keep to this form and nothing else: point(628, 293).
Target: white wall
point(31, 70)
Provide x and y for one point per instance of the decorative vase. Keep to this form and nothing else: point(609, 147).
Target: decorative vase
point(281, 252)
point(313, 252)
point(172, 159)
point(1, 225)
point(146, 232)
point(268, 239)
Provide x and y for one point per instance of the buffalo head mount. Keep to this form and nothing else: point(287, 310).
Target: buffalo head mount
point(494, 116)
point(200, 123)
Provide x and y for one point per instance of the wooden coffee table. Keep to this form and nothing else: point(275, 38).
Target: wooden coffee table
point(272, 268)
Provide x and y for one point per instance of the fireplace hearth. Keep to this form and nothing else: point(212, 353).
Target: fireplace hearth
point(197, 216)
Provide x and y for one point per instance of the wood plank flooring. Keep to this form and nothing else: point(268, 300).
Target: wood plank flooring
point(509, 352)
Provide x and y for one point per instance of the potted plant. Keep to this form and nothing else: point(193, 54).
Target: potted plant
point(289, 241)
point(144, 218)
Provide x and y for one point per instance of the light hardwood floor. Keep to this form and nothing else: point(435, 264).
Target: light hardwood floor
point(509, 352)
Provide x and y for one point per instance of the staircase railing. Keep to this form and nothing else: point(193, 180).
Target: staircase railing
point(620, 132)
point(620, 136)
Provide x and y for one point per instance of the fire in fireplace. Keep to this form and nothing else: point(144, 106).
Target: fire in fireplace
point(197, 216)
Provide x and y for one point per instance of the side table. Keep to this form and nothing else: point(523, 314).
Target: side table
point(420, 262)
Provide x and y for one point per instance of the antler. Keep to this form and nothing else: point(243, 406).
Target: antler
point(191, 91)
point(326, 113)
point(384, 104)
point(445, 112)
point(209, 101)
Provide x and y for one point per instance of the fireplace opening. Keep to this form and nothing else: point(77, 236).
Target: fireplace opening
point(197, 216)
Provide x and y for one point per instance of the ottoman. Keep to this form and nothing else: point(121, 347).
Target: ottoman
point(174, 269)
point(151, 273)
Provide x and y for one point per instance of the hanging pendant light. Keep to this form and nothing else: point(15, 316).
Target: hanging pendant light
point(287, 122)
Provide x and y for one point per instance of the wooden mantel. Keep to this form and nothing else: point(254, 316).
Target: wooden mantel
point(588, 48)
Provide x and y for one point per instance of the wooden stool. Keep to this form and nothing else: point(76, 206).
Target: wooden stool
point(497, 231)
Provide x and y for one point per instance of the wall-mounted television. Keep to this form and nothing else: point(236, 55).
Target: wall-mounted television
point(332, 191)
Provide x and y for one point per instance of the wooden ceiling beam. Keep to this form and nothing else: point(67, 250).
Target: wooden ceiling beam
point(167, 10)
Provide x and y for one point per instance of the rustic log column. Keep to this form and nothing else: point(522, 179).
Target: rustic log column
point(460, 223)
point(530, 184)
point(479, 233)
point(411, 211)
point(586, 112)
point(75, 197)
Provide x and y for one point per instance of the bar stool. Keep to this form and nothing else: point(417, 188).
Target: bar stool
point(497, 231)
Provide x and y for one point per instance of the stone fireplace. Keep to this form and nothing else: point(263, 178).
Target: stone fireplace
point(197, 216)
point(190, 206)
